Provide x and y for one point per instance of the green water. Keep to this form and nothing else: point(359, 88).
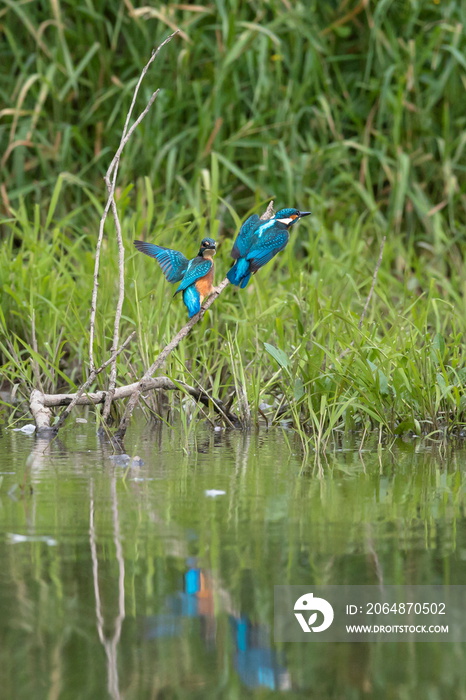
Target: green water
point(132, 582)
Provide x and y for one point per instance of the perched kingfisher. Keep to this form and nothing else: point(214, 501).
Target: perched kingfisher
point(195, 276)
point(259, 241)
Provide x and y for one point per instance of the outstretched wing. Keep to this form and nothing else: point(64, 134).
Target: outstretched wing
point(172, 262)
point(197, 268)
point(265, 249)
point(245, 237)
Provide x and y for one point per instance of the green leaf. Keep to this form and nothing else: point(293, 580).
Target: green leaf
point(442, 383)
point(439, 344)
point(236, 171)
point(298, 389)
point(72, 82)
point(54, 201)
point(383, 383)
point(278, 355)
point(406, 426)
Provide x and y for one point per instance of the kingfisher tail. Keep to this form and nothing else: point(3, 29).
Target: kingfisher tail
point(240, 273)
point(192, 300)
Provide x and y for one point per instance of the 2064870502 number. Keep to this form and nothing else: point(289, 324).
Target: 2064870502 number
point(405, 608)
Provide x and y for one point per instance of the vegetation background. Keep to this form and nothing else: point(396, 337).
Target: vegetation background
point(354, 110)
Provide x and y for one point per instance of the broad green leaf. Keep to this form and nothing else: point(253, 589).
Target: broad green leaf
point(278, 355)
point(298, 389)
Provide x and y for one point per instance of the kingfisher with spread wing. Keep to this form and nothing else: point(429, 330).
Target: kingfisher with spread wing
point(259, 241)
point(195, 276)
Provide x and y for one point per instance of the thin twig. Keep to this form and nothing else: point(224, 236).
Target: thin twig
point(35, 364)
point(121, 255)
point(112, 172)
point(96, 286)
point(369, 296)
point(119, 307)
point(111, 184)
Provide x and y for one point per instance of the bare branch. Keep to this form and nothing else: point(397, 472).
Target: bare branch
point(112, 172)
point(34, 363)
point(40, 403)
point(119, 306)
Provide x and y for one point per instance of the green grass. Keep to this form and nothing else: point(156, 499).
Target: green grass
point(357, 116)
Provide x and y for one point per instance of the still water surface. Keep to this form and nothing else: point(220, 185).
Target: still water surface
point(146, 581)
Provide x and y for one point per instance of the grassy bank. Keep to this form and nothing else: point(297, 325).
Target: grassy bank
point(355, 113)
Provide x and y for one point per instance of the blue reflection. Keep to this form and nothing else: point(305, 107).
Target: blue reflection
point(256, 663)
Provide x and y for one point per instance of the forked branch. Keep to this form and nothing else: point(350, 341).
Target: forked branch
point(110, 180)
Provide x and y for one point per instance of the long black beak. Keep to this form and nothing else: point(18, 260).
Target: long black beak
point(304, 213)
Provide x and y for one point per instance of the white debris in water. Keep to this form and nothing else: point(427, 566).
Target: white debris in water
point(27, 429)
point(14, 538)
point(213, 493)
point(218, 429)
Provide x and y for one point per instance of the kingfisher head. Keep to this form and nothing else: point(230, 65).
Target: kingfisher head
point(288, 217)
point(208, 248)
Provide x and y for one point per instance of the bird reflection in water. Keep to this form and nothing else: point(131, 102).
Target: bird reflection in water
point(257, 664)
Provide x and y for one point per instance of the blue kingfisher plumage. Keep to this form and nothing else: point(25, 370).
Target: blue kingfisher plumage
point(259, 241)
point(195, 276)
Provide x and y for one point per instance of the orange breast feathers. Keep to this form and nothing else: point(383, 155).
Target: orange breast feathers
point(204, 285)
